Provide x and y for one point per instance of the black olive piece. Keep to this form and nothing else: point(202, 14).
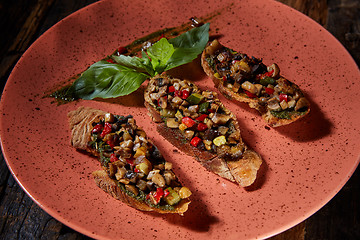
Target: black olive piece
point(237, 57)
point(255, 60)
point(255, 68)
point(156, 155)
point(201, 146)
point(238, 77)
point(223, 66)
point(210, 134)
point(115, 139)
point(128, 117)
point(121, 120)
point(130, 174)
point(160, 82)
point(258, 69)
point(150, 185)
point(116, 126)
point(117, 117)
point(213, 147)
point(131, 132)
point(120, 134)
point(229, 79)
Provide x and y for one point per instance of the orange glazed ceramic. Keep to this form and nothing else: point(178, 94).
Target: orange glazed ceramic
point(305, 163)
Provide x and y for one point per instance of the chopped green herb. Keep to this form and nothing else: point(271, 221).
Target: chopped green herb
point(287, 114)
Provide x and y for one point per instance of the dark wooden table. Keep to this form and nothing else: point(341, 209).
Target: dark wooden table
point(22, 21)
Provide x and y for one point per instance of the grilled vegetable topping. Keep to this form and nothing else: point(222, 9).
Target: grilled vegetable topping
point(127, 156)
point(249, 77)
point(200, 116)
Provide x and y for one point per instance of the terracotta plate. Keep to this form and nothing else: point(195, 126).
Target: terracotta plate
point(306, 163)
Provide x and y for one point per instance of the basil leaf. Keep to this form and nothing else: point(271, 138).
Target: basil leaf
point(160, 53)
point(107, 80)
point(188, 46)
point(139, 64)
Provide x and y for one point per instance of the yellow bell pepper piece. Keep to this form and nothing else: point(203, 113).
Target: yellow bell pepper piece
point(218, 141)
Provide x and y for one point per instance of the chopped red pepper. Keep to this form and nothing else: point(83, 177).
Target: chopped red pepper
point(250, 95)
point(98, 127)
point(269, 90)
point(202, 117)
point(184, 94)
point(113, 158)
point(211, 110)
point(136, 170)
point(171, 89)
point(166, 192)
point(201, 127)
point(111, 144)
point(195, 141)
point(110, 60)
point(158, 194)
point(121, 50)
point(188, 121)
point(177, 93)
point(269, 74)
point(107, 130)
point(130, 161)
point(283, 97)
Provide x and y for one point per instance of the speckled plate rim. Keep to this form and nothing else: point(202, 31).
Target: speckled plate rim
point(290, 224)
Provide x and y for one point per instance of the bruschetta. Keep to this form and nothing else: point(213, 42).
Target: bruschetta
point(197, 123)
point(133, 169)
point(246, 79)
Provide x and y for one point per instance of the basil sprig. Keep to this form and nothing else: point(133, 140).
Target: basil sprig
point(109, 80)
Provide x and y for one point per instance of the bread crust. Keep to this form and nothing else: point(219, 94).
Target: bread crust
point(235, 170)
point(111, 187)
point(81, 121)
point(242, 97)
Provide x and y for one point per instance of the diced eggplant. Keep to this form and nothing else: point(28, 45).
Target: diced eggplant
point(169, 177)
point(172, 123)
point(220, 119)
point(301, 104)
point(168, 165)
point(158, 179)
point(141, 184)
point(184, 192)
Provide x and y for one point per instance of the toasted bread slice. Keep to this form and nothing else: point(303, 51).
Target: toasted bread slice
point(133, 169)
point(245, 79)
point(111, 187)
point(199, 125)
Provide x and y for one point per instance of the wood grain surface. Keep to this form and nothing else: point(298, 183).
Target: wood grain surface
point(23, 21)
